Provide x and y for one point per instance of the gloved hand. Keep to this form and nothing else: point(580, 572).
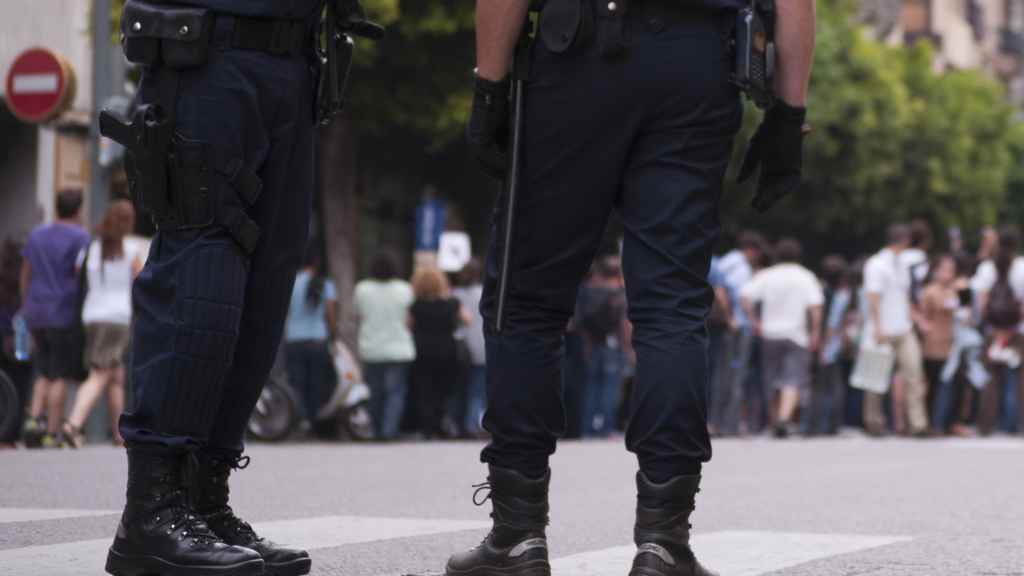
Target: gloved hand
point(487, 131)
point(777, 147)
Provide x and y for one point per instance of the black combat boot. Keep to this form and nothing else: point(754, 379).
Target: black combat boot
point(210, 499)
point(662, 531)
point(517, 545)
point(160, 534)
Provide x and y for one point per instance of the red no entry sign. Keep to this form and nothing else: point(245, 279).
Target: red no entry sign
point(40, 85)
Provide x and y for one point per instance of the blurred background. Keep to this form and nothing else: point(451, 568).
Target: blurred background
point(916, 114)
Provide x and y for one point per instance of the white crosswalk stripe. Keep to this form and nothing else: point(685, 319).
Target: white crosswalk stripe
point(732, 553)
point(87, 557)
point(8, 515)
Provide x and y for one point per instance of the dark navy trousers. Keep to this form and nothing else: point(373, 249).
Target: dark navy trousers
point(208, 316)
point(647, 133)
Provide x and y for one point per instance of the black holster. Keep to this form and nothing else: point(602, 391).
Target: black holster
point(343, 20)
point(172, 178)
point(754, 45)
point(565, 24)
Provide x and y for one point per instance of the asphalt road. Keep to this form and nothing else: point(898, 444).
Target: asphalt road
point(848, 506)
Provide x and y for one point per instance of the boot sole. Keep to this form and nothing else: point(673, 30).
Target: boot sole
point(124, 565)
point(536, 568)
point(298, 567)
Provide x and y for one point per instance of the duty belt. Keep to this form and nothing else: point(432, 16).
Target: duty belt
point(275, 37)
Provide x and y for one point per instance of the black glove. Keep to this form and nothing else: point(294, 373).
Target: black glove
point(487, 132)
point(777, 147)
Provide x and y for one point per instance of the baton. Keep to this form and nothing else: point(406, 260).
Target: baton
point(520, 72)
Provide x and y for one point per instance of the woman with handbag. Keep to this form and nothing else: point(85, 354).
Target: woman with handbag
point(109, 266)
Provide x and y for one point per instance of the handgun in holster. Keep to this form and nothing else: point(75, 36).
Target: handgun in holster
point(755, 52)
point(147, 141)
point(343, 20)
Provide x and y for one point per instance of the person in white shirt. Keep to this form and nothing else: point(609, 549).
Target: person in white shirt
point(987, 275)
point(386, 345)
point(887, 283)
point(789, 324)
point(111, 263)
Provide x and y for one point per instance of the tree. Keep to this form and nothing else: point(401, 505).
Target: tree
point(892, 139)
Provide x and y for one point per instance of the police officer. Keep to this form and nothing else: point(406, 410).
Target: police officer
point(221, 157)
point(628, 107)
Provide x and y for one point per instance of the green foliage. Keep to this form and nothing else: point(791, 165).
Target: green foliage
point(415, 83)
point(893, 140)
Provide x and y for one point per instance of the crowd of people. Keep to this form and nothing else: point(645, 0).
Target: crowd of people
point(66, 305)
point(908, 341)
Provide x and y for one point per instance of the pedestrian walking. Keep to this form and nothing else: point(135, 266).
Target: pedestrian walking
point(736, 269)
point(110, 264)
point(311, 326)
point(938, 304)
point(917, 258)
point(987, 275)
point(657, 74)
point(603, 326)
point(887, 283)
point(828, 396)
point(51, 300)
point(789, 324)
point(1002, 316)
point(964, 371)
point(222, 149)
point(435, 316)
point(386, 345)
point(468, 293)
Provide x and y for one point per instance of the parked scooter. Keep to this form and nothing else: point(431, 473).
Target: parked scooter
point(346, 414)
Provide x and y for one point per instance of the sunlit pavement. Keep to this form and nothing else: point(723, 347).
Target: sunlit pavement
point(799, 507)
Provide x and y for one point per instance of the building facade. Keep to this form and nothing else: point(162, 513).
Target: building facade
point(966, 34)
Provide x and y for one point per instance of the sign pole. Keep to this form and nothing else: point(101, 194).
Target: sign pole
point(108, 80)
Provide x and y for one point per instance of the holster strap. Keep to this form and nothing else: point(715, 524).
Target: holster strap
point(240, 226)
point(611, 26)
point(243, 180)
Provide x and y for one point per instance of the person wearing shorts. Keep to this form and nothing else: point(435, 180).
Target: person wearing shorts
point(789, 323)
point(50, 297)
point(110, 264)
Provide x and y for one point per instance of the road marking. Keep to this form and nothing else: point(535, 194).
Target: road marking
point(331, 531)
point(87, 557)
point(732, 553)
point(8, 515)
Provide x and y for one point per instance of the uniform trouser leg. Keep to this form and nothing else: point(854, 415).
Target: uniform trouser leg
point(658, 155)
point(283, 215)
point(208, 316)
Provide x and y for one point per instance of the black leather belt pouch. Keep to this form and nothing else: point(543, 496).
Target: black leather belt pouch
point(566, 24)
point(173, 36)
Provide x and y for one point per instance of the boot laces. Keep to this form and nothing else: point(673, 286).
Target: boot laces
point(224, 515)
point(193, 528)
point(483, 487)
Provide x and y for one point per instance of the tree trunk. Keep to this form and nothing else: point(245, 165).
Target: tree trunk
point(339, 216)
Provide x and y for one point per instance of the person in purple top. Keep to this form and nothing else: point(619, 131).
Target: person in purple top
point(49, 304)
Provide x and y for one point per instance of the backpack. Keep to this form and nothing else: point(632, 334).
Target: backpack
point(1003, 309)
